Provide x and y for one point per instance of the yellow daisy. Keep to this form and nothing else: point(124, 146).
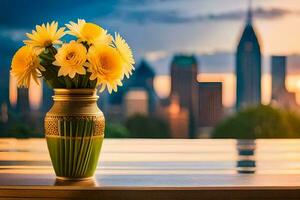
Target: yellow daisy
point(105, 65)
point(126, 54)
point(71, 58)
point(45, 36)
point(89, 32)
point(25, 65)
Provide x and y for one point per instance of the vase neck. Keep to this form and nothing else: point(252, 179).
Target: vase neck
point(75, 95)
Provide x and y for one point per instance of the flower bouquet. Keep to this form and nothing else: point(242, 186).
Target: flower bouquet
point(94, 59)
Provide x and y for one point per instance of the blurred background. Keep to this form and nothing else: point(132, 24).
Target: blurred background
point(204, 69)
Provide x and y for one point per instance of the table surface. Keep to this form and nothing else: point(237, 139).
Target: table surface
point(147, 167)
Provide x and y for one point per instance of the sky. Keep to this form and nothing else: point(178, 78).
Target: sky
point(157, 29)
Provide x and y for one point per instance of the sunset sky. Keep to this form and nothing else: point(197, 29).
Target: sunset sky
point(156, 29)
point(166, 26)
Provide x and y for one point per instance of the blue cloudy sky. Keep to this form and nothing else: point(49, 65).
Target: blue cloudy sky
point(158, 28)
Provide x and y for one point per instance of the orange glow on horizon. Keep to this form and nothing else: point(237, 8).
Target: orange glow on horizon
point(174, 107)
point(276, 37)
point(293, 85)
point(228, 85)
point(13, 92)
point(35, 94)
point(162, 85)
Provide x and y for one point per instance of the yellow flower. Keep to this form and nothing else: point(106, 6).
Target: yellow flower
point(71, 58)
point(105, 65)
point(89, 32)
point(25, 65)
point(126, 54)
point(45, 36)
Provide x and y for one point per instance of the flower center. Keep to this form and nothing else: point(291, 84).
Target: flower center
point(105, 61)
point(70, 55)
point(31, 63)
point(48, 43)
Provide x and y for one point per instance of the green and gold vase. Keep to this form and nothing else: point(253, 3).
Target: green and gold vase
point(74, 130)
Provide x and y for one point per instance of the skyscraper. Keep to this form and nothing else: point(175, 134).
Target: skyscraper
point(210, 103)
point(46, 98)
point(278, 72)
point(142, 79)
point(280, 96)
point(23, 101)
point(248, 67)
point(136, 102)
point(177, 118)
point(184, 85)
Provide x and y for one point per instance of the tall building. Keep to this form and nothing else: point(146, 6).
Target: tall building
point(248, 67)
point(5, 63)
point(141, 79)
point(136, 102)
point(210, 104)
point(177, 118)
point(4, 113)
point(23, 105)
point(280, 96)
point(184, 84)
point(278, 73)
point(46, 98)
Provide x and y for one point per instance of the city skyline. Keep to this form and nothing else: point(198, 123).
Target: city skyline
point(206, 28)
point(227, 77)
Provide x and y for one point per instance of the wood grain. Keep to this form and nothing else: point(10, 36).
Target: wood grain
point(159, 169)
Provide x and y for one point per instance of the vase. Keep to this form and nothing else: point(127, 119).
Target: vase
point(74, 130)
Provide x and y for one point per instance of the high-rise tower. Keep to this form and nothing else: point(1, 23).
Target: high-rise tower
point(23, 105)
point(248, 67)
point(142, 80)
point(210, 103)
point(281, 97)
point(278, 72)
point(184, 84)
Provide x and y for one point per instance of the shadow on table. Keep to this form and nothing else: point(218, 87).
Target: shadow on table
point(89, 182)
point(246, 156)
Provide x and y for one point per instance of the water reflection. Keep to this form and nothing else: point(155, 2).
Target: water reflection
point(246, 156)
point(88, 182)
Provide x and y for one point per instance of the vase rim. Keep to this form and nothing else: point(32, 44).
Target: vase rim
point(76, 94)
point(75, 90)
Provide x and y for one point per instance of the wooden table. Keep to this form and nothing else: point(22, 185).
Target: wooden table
point(159, 169)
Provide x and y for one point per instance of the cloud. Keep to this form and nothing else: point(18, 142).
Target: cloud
point(153, 56)
point(214, 62)
point(13, 34)
point(260, 13)
point(25, 14)
point(173, 16)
